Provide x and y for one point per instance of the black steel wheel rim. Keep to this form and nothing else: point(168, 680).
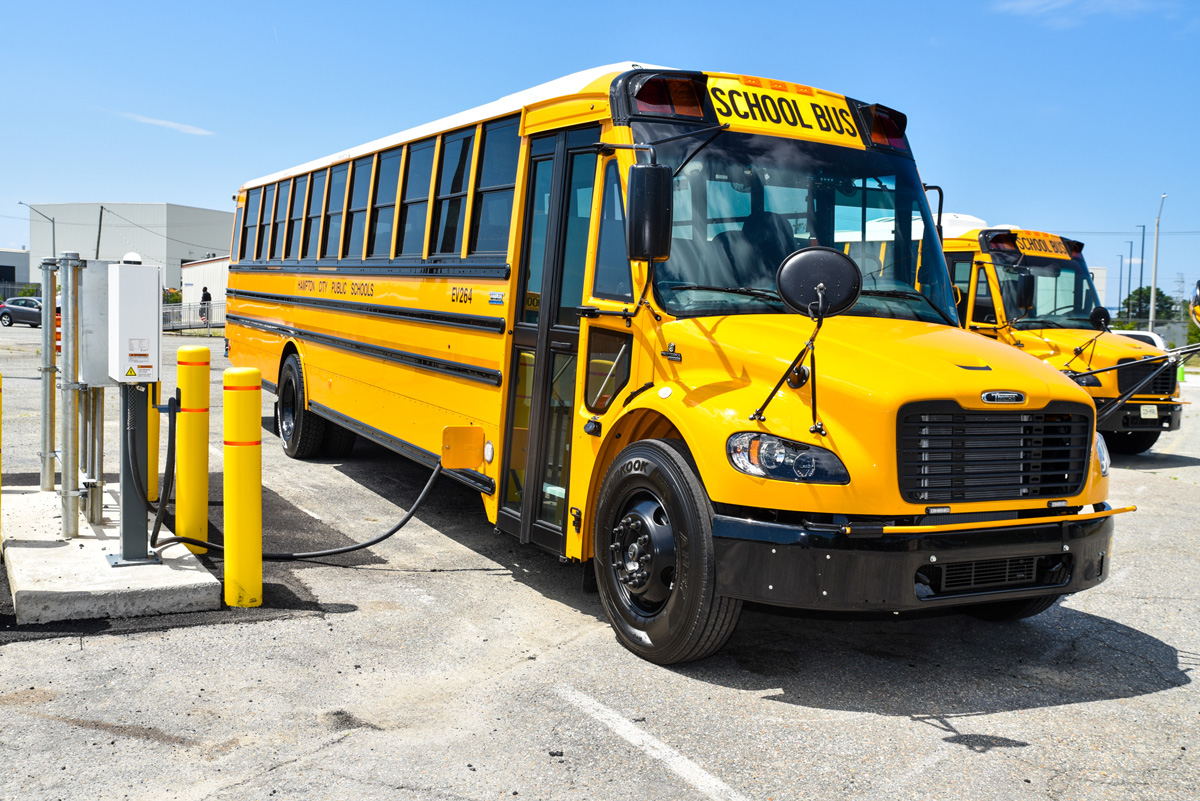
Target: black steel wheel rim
point(287, 409)
point(642, 555)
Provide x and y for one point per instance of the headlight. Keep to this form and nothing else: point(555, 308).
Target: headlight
point(1082, 380)
point(1102, 454)
point(773, 457)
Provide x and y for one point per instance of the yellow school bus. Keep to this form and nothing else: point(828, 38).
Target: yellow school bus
point(622, 280)
point(1032, 290)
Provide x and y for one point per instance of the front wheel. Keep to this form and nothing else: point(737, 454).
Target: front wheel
point(653, 556)
point(6, 319)
point(300, 430)
point(1129, 443)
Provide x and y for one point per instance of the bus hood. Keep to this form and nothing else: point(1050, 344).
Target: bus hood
point(871, 364)
point(1057, 347)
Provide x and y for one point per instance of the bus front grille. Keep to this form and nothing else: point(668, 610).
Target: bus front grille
point(1130, 377)
point(947, 454)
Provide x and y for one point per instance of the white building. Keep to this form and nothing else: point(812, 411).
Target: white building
point(211, 273)
point(14, 266)
point(163, 233)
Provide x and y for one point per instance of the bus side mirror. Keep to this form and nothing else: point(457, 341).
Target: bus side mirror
point(1100, 318)
point(648, 220)
point(1025, 289)
point(1196, 304)
point(819, 282)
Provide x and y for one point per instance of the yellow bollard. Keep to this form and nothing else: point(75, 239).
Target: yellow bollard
point(152, 399)
point(191, 446)
point(243, 486)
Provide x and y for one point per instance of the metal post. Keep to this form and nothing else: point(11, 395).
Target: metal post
point(243, 486)
point(95, 471)
point(69, 264)
point(1154, 274)
point(1120, 275)
point(48, 372)
point(191, 445)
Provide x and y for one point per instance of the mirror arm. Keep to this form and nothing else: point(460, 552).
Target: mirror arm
point(941, 197)
point(607, 147)
point(809, 347)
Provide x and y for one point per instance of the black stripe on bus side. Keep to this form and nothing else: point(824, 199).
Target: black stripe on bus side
point(419, 269)
point(453, 319)
point(445, 366)
point(471, 478)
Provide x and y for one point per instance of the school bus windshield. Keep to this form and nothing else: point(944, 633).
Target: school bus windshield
point(743, 202)
point(1063, 296)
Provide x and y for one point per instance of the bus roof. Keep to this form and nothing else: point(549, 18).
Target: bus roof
point(559, 87)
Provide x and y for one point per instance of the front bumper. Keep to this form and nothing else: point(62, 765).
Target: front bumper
point(798, 567)
point(1130, 417)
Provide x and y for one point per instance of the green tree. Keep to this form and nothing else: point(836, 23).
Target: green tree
point(28, 291)
point(1138, 305)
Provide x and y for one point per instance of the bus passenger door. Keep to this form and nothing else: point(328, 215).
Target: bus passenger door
point(537, 452)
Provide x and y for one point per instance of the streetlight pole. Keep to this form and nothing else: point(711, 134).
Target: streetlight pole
point(1120, 275)
point(1129, 283)
point(53, 229)
point(1142, 261)
point(1154, 274)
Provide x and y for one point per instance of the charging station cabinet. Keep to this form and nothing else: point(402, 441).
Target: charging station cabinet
point(134, 323)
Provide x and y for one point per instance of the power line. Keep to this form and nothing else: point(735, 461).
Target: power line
point(156, 233)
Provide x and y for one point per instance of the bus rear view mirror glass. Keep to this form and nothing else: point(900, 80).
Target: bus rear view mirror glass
point(1100, 318)
point(1025, 289)
point(648, 222)
point(818, 281)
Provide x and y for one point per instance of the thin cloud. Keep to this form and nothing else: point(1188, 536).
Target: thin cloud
point(1068, 13)
point(174, 126)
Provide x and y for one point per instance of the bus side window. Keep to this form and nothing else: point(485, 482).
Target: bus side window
point(608, 356)
point(492, 213)
point(613, 279)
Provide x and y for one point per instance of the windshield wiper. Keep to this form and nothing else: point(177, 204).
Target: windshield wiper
point(760, 294)
point(901, 293)
point(1035, 322)
point(720, 130)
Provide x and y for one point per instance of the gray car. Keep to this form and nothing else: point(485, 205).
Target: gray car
point(21, 310)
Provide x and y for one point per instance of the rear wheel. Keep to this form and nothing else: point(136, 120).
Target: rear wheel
point(1128, 443)
point(1003, 611)
point(300, 430)
point(653, 555)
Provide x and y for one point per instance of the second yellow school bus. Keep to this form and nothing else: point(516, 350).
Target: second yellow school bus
point(646, 396)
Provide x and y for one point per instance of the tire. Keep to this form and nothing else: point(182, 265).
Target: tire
point(6, 319)
point(1006, 611)
point(338, 441)
point(659, 593)
point(35, 325)
point(1129, 443)
point(300, 431)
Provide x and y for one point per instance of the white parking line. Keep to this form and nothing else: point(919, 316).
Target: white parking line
point(680, 765)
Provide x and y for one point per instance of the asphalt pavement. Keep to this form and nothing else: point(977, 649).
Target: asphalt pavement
point(452, 663)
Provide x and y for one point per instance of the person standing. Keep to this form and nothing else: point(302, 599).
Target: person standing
point(205, 304)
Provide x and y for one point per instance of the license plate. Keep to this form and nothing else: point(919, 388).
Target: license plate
point(1149, 412)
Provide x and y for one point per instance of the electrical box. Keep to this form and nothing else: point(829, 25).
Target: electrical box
point(93, 325)
point(134, 322)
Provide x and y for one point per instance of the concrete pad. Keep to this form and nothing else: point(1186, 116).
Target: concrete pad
point(55, 579)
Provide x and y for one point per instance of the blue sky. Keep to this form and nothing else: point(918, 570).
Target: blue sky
point(1070, 116)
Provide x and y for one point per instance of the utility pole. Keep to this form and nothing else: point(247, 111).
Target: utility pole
point(53, 228)
point(1120, 275)
point(1129, 282)
point(1142, 262)
point(1154, 274)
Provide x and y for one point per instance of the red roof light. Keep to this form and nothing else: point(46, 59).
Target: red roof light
point(672, 96)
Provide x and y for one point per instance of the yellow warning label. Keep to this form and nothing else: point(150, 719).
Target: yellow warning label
point(131, 372)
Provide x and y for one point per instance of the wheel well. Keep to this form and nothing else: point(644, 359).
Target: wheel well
point(638, 425)
point(289, 349)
